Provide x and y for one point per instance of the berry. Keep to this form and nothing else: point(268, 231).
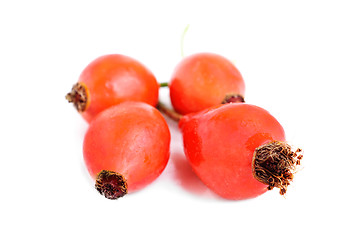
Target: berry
point(126, 147)
point(110, 80)
point(204, 80)
point(238, 150)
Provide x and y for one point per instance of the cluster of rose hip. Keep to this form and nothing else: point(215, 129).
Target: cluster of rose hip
point(238, 150)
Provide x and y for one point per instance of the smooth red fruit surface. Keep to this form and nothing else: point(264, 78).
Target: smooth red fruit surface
point(115, 78)
point(132, 139)
point(220, 142)
point(203, 80)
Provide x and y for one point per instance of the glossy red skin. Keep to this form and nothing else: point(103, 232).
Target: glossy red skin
point(132, 139)
point(203, 80)
point(115, 78)
point(219, 144)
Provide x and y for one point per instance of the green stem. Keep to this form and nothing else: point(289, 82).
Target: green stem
point(182, 39)
point(169, 112)
point(164, 84)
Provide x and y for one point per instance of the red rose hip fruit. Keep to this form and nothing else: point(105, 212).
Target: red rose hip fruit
point(204, 80)
point(126, 147)
point(110, 80)
point(238, 150)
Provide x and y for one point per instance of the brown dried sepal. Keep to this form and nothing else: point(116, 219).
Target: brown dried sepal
point(233, 98)
point(78, 96)
point(111, 184)
point(274, 164)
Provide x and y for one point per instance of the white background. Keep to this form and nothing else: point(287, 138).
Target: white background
point(293, 55)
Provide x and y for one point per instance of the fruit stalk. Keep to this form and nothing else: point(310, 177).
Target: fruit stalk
point(164, 84)
point(169, 112)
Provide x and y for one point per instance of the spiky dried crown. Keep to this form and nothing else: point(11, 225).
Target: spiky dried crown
point(78, 96)
point(274, 164)
point(111, 184)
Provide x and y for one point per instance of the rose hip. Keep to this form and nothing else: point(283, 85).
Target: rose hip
point(204, 80)
point(238, 150)
point(126, 147)
point(110, 80)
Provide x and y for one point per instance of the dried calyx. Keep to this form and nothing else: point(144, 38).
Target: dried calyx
point(233, 98)
point(111, 184)
point(274, 164)
point(78, 96)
